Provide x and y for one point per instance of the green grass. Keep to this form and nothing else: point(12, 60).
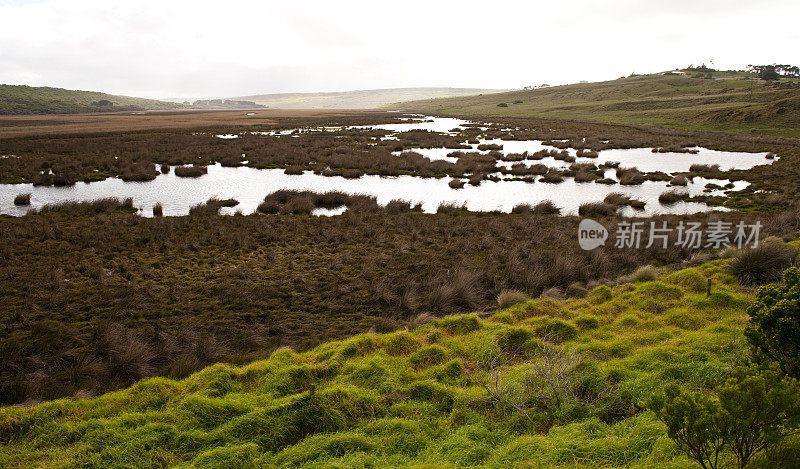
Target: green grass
point(20, 99)
point(730, 101)
point(413, 397)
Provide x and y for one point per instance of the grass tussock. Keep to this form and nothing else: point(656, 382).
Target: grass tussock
point(763, 264)
point(558, 382)
point(22, 199)
point(597, 210)
point(621, 200)
point(672, 197)
point(190, 171)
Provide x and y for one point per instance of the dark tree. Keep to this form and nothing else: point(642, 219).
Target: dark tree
point(774, 330)
point(775, 71)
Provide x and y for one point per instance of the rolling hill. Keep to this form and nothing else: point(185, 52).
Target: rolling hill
point(361, 99)
point(717, 101)
point(21, 99)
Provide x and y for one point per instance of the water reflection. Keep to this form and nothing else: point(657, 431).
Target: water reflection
point(249, 186)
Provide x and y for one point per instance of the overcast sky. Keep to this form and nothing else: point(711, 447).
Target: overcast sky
point(191, 48)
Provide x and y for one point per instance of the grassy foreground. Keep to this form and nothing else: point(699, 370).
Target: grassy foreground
point(717, 101)
point(446, 393)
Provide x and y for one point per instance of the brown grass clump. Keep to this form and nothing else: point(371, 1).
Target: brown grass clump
point(672, 196)
point(451, 207)
point(763, 264)
point(597, 210)
point(352, 173)
point(675, 149)
point(679, 180)
point(22, 199)
point(508, 298)
point(190, 171)
point(607, 181)
point(553, 176)
point(456, 183)
point(294, 170)
point(705, 169)
point(585, 176)
point(630, 176)
point(619, 199)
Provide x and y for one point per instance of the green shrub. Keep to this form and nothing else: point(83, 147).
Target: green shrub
point(754, 410)
point(774, 330)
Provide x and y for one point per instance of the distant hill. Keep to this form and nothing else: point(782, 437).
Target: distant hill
point(21, 99)
point(700, 100)
point(361, 99)
point(225, 104)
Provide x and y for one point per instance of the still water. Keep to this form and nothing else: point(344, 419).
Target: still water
point(249, 186)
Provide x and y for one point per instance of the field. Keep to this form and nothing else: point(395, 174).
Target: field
point(364, 99)
point(380, 337)
point(71, 154)
point(455, 391)
point(725, 101)
point(69, 124)
point(96, 297)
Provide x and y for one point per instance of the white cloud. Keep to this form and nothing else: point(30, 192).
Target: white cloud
point(190, 48)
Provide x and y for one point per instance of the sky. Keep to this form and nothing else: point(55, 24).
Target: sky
point(195, 49)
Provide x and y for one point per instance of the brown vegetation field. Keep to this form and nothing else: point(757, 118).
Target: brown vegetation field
point(61, 124)
point(94, 297)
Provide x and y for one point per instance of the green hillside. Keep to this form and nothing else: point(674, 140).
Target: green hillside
point(21, 99)
point(725, 101)
point(362, 99)
point(570, 378)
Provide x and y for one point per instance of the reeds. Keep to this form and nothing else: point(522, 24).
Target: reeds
point(597, 210)
point(456, 183)
point(620, 200)
point(22, 199)
point(672, 196)
point(679, 180)
point(190, 171)
point(630, 176)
